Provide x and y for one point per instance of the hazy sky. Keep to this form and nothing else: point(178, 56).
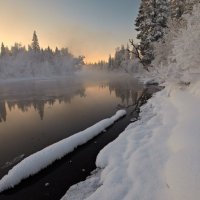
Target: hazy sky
point(93, 28)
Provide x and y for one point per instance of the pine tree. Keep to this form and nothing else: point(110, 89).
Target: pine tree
point(3, 49)
point(57, 51)
point(151, 23)
point(35, 44)
point(110, 62)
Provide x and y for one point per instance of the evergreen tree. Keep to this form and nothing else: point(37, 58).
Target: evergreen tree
point(16, 49)
point(127, 53)
point(110, 62)
point(3, 49)
point(143, 26)
point(57, 51)
point(151, 23)
point(35, 44)
point(189, 5)
point(178, 8)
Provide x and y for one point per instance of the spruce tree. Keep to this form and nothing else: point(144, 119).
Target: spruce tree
point(151, 23)
point(3, 49)
point(35, 44)
point(110, 62)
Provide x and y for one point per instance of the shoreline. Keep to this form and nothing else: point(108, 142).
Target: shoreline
point(71, 169)
point(54, 181)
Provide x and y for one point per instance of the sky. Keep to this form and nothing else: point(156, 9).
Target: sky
point(93, 28)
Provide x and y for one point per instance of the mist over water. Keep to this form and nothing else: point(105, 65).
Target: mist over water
point(37, 113)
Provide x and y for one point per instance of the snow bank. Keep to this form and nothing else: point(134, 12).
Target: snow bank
point(156, 157)
point(40, 160)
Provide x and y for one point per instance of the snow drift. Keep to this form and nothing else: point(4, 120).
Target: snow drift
point(156, 157)
point(40, 160)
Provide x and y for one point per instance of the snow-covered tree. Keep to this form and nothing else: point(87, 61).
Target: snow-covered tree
point(110, 63)
point(151, 23)
point(18, 62)
point(57, 51)
point(127, 55)
point(3, 49)
point(178, 8)
point(35, 43)
point(17, 48)
point(181, 63)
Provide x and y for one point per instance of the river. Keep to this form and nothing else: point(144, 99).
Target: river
point(38, 113)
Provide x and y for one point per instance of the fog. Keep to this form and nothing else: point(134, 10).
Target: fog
point(37, 93)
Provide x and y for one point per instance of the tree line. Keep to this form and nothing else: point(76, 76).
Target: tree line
point(19, 61)
point(158, 21)
point(153, 22)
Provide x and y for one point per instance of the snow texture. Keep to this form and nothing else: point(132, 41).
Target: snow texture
point(156, 157)
point(40, 160)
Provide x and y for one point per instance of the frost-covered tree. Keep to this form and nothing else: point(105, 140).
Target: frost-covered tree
point(17, 49)
point(180, 57)
point(178, 8)
point(57, 51)
point(163, 48)
point(124, 60)
point(143, 24)
point(3, 49)
point(120, 57)
point(151, 23)
point(110, 63)
point(127, 55)
point(35, 43)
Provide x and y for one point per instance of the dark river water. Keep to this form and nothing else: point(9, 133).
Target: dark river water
point(35, 114)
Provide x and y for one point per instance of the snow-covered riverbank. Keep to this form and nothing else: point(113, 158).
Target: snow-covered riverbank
point(156, 157)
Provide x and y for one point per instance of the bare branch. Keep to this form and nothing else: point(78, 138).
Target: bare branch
point(136, 52)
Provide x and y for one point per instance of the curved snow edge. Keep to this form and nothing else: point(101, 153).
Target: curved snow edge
point(41, 159)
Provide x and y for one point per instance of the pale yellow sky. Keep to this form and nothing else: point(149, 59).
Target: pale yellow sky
point(93, 28)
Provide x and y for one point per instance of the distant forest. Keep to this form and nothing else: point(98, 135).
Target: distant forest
point(34, 61)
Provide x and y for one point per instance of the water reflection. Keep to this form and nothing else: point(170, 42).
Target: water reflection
point(31, 94)
point(39, 94)
point(35, 114)
point(128, 90)
point(2, 111)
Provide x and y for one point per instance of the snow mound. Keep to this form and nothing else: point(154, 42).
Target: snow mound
point(41, 159)
point(156, 157)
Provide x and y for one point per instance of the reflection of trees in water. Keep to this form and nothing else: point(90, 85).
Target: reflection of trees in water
point(126, 89)
point(2, 111)
point(24, 96)
point(38, 96)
